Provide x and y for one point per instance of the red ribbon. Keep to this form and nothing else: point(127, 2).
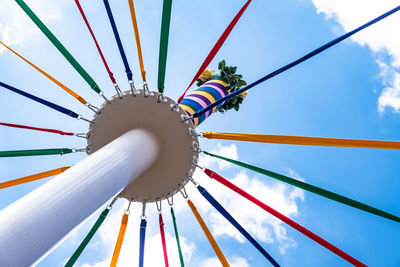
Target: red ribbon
point(164, 245)
point(285, 219)
point(216, 47)
point(35, 128)
point(95, 41)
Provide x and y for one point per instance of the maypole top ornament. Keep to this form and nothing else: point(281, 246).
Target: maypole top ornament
point(233, 83)
point(213, 87)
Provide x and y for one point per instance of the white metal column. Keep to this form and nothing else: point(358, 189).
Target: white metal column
point(37, 222)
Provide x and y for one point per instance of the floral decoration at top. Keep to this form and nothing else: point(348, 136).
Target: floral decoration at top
point(234, 82)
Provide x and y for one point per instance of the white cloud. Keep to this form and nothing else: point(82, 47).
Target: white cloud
point(263, 226)
point(390, 96)
point(235, 262)
point(226, 151)
point(15, 26)
point(381, 38)
point(350, 14)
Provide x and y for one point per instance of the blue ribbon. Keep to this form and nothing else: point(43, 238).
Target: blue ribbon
point(229, 217)
point(143, 224)
point(41, 101)
point(118, 40)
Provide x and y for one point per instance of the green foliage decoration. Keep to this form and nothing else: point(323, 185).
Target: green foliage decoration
point(227, 74)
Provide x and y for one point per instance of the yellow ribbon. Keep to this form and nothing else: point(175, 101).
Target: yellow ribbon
point(75, 95)
point(303, 140)
point(120, 239)
point(207, 232)
point(138, 46)
point(33, 177)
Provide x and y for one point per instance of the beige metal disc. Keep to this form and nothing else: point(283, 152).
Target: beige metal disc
point(177, 142)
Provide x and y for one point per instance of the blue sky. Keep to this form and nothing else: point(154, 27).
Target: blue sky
point(350, 91)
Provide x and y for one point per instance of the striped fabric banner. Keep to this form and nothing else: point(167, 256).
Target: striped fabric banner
point(202, 97)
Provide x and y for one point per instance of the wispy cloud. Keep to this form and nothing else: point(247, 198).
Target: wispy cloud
point(381, 38)
point(263, 226)
point(235, 262)
point(226, 151)
point(390, 96)
point(15, 26)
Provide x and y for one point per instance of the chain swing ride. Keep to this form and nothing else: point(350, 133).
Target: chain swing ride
point(114, 170)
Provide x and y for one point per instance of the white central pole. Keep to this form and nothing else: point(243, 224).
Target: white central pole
point(35, 223)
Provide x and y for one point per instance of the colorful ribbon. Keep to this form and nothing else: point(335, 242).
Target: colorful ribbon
point(118, 40)
point(311, 188)
point(303, 140)
point(285, 219)
point(208, 234)
point(177, 237)
point(41, 101)
point(162, 57)
point(298, 61)
point(59, 46)
point(137, 38)
point(35, 152)
point(229, 217)
point(36, 128)
point(142, 238)
point(216, 47)
point(69, 91)
point(110, 74)
point(33, 177)
point(120, 240)
point(164, 244)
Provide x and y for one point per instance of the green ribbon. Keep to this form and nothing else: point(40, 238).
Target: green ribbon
point(177, 237)
point(87, 239)
point(35, 152)
point(312, 188)
point(59, 46)
point(162, 58)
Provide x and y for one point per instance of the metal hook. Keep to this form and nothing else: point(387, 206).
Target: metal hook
point(146, 87)
point(196, 148)
point(188, 118)
point(174, 107)
point(79, 150)
point(112, 203)
point(202, 168)
point(170, 202)
point(82, 118)
point(192, 180)
point(193, 132)
point(92, 108)
point(158, 204)
point(127, 212)
point(160, 97)
point(104, 97)
point(81, 135)
point(144, 210)
point(184, 194)
point(133, 88)
point(183, 117)
point(119, 92)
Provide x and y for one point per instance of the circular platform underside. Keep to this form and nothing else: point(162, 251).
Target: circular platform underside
point(177, 145)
